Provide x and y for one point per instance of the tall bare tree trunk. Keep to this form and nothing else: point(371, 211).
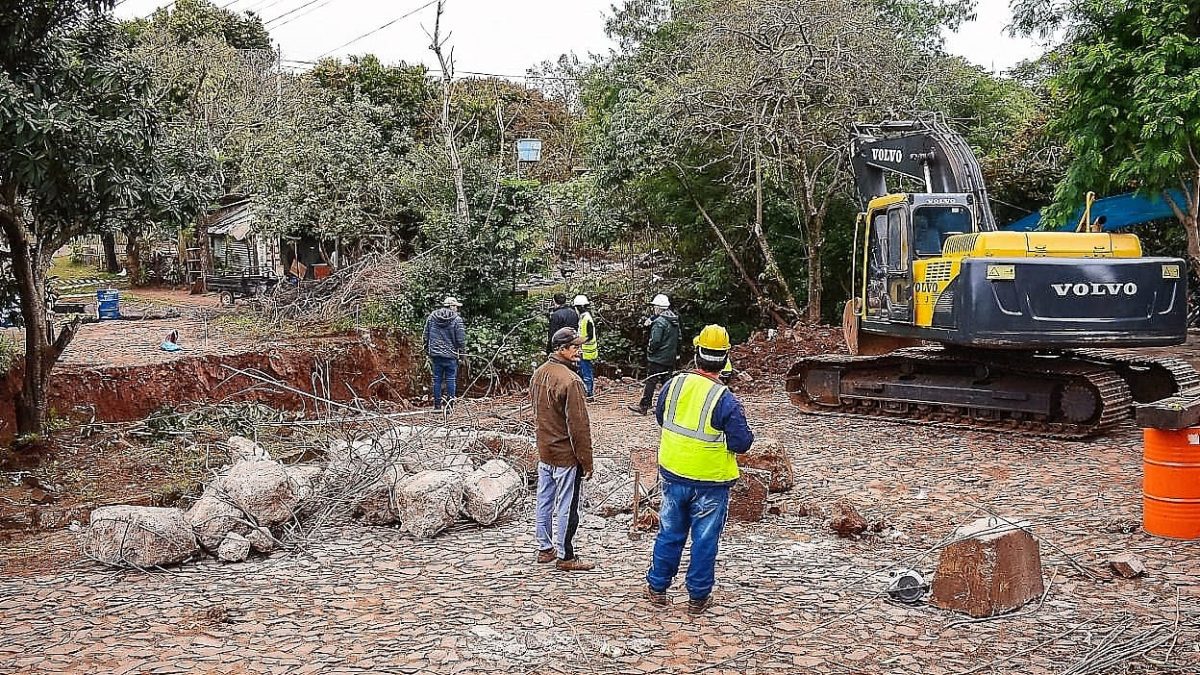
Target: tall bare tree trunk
point(446, 62)
point(761, 237)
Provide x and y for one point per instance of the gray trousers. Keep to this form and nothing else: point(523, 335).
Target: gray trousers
point(557, 504)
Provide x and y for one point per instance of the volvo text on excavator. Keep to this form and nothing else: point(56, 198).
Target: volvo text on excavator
point(1023, 325)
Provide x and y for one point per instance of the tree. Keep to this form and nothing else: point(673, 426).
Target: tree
point(217, 82)
point(324, 168)
point(78, 135)
point(1127, 78)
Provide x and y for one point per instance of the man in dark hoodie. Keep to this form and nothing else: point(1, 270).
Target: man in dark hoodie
point(661, 350)
point(445, 343)
point(562, 316)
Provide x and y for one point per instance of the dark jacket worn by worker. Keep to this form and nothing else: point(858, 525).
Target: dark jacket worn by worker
point(445, 335)
point(663, 346)
point(564, 431)
point(564, 316)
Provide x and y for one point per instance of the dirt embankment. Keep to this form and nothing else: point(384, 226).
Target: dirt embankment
point(365, 366)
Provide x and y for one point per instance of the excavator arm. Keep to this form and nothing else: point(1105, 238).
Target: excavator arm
point(925, 151)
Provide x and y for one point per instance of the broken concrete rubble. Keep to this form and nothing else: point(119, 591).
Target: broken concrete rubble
point(377, 503)
point(140, 536)
point(212, 517)
point(610, 491)
point(748, 497)
point(244, 449)
point(429, 502)
point(993, 566)
point(845, 519)
point(769, 455)
point(1127, 566)
point(263, 490)
point(234, 548)
point(490, 491)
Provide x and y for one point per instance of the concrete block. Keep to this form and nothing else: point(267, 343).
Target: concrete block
point(994, 566)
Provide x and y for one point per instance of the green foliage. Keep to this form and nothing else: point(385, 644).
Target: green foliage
point(400, 94)
point(79, 133)
point(326, 169)
point(194, 22)
point(921, 21)
point(1128, 83)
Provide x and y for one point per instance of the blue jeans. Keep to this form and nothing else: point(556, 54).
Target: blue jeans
point(585, 374)
point(700, 510)
point(445, 370)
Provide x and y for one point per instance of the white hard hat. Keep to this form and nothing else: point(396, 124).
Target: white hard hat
point(580, 300)
point(451, 301)
point(661, 300)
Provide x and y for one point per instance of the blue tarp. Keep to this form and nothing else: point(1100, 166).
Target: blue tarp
point(1120, 211)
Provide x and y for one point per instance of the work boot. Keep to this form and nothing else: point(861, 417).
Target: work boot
point(696, 607)
point(547, 556)
point(575, 564)
point(638, 409)
point(654, 596)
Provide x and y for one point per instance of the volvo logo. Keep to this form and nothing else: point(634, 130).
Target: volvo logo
point(1063, 290)
point(887, 155)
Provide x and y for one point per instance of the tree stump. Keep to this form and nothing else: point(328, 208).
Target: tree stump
point(995, 566)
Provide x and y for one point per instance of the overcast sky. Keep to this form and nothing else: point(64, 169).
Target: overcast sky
point(508, 36)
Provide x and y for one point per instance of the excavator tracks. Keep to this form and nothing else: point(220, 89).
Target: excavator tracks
point(1070, 395)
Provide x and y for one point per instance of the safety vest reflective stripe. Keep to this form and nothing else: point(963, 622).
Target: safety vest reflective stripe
point(710, 401)
point(591, 347)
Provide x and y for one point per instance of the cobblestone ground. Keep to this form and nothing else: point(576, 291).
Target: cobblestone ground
point(791, 596)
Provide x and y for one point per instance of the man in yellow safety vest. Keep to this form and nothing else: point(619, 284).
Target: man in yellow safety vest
point(703, 430)
point(591, 345)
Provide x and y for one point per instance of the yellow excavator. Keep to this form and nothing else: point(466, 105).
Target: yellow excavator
point(958, 323)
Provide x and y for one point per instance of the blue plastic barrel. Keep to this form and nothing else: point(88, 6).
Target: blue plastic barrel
point(108, 303)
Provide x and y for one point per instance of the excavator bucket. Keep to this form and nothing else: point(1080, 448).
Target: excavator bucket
point(867, 344)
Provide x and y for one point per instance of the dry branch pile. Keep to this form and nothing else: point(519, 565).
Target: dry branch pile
point(344, 294)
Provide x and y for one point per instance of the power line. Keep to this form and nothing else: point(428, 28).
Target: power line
point(474, 73)
point(291, 11)
point(301, 15)
point(372, 32)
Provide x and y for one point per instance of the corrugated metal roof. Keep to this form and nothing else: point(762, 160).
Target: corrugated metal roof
point(236, 220)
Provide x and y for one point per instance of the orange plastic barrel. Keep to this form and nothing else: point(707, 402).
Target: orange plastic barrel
point(1171, 482)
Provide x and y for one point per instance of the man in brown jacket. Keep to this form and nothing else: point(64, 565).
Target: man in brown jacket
point(564, 440)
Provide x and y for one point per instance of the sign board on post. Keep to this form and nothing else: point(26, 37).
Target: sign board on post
point(529, 149)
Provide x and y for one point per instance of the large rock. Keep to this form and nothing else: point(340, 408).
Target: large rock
point(429, 502)
point(993, 566)
point(459, 463)
point(140, 536)
point(490, 491)
point(242, 449)
point(263, 490)
point(214, 516)
point(306, 477)
point(235, 548)
point(377, 504)
point(253, 493)
point(610, 491)
point(520, 452)
point(769, 455)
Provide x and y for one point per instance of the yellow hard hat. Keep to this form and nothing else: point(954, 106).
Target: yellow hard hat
point(713, 337)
